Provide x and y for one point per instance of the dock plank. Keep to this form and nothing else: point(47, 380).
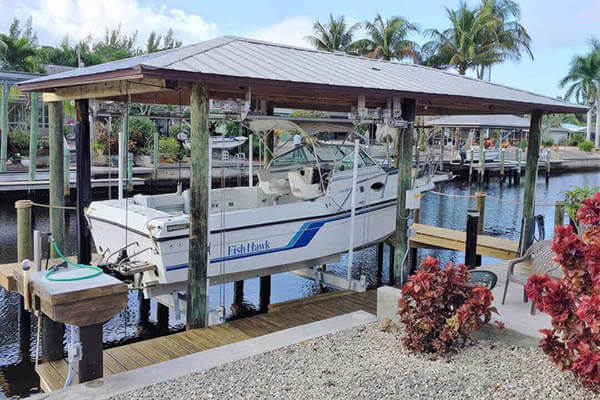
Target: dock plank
point(147, 352)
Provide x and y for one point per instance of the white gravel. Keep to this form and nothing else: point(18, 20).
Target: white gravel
point(364, 363)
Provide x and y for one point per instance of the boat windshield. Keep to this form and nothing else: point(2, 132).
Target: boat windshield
point(331, 153)
point(324, 153)
point(347, 163)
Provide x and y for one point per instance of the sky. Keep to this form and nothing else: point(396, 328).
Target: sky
point(559, 29)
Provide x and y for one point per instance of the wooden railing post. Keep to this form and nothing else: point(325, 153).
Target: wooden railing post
point(480, 205)
point(471, 241)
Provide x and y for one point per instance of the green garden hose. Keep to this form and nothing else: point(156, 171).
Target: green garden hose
point(97, 271)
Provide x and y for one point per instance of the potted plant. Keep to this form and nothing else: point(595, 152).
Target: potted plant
point(141, 137)
point(99, 157)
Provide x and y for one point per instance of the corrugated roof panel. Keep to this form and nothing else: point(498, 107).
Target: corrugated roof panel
point(486, 121)
point(244, 58)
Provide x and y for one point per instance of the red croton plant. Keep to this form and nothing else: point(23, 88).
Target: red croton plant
point(440, 308)
point(573, 301)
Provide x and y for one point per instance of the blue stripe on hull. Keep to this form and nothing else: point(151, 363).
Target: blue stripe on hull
point(302, 238)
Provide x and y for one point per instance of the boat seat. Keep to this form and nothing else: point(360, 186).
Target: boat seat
point(169, 203)
point(272, 186)
point(301, 189)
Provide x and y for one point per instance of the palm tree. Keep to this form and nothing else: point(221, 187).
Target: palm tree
point(388, 39)
point(583, 83)
point(17, 54)
point(461, 45)
point(505, 32)
point(334, 35)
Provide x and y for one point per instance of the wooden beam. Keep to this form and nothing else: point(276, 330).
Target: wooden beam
point(533, 153)
point(404, 145)
point(196, 309)
point(106, 89)
point(57, 191)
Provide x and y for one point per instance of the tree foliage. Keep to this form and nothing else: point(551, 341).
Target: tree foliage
point(334, 35)
point(388, 39)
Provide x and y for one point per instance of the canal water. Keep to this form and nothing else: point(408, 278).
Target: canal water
point(502, 219)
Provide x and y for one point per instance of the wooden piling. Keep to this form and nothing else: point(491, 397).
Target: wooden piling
point(471, 241)
point(517, 176)
point(472, 154)
point(155, 140)
point(559, 213)
point(533, 152)
point(481, 171)
point(379, 263)
point(162, 318)
point(548, 155)
point(480, 206)
point(84, 182)
point(501, 166)
point(57, 179)
point(4, 127)
point(24, 229)
point(91, 363)
point(238, 292)
point(198, 253)
point(404, 152)
point(264, 294)
point(34, 133)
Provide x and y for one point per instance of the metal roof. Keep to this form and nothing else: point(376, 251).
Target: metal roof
point(13, 77)
point(508, 121)
point(252, 61)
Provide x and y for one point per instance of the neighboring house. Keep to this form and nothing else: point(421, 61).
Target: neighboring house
point(565, 131)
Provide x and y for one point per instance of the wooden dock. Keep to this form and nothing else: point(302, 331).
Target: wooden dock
point(282, 316)
point(427, 236)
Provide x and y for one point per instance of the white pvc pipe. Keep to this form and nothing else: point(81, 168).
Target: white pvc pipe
point(352, 211)
point(250, 161)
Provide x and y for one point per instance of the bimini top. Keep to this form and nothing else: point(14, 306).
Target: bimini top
point(292, 76)
point(500, 121)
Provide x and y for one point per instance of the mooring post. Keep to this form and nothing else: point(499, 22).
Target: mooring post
point(471, 241)
point(559, 213)
point(480, 206)
point(548, 155)
point(57, 190)
point(501, 166)
point(162, 318)
point(533, 152)
point(265, 294)
point(24, 229)
point(91, 363)
point(472, 154)
point(517, 176)
point(404, 143)
point(4, 127)
point(144, 309)
point(196, 310)
point(34, 133)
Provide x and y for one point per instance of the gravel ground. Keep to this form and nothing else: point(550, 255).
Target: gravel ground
point(364, 363)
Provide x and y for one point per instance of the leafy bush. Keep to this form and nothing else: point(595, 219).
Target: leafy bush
point(564, 141)
point(576, 139)
point(574, 198)
point(169, 148)
point(586, 145)
point(98, 147)
point(178, 127)
point(19, 141)
point(522, 144)
point(440, 308)
point(547, 141)
point(141, 135)
point(573, 301)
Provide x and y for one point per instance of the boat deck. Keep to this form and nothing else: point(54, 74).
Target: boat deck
point(281, 316)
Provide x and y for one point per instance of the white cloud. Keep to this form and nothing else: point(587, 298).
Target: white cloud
point(78, 18)
point(290, 31)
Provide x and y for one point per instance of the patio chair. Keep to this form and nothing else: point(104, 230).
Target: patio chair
point(484, 278)
point(538, 259)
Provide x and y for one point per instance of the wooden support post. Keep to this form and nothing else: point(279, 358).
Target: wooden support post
point(238, 292)
point(84, 181)
point(548, 155)
point(472, 154)
point(502, 166)
point(533, 152)
point(57, 180)
point(480, 205)
point(155, 154)
point(144, 309)
point(481, 156)
point(66, 169)
point(265, 294)
point(471, 241)
point(404, 151)
point(24, 229)
point(34, 133)
point(91, 363)
point(199, 190)
point(4, 127)
point(162, 318)
point(517, 176)
point(379, 263)
point(559, 213)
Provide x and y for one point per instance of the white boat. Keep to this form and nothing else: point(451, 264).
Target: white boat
point(217, 142)
point(298, 214)
point(488, 154)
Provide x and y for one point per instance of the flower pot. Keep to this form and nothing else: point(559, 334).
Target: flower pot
point(141, 160)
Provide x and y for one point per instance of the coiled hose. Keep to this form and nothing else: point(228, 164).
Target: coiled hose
point(52, 271)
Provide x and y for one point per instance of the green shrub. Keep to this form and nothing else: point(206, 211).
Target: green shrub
point(547, 141)
point(522, 144)
point(98, 147)
point(576, 139)
point(564, 141)
point(169, 148)
point(141, 135)
point(19, 140)
point(178, 127)
point(586, 145)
